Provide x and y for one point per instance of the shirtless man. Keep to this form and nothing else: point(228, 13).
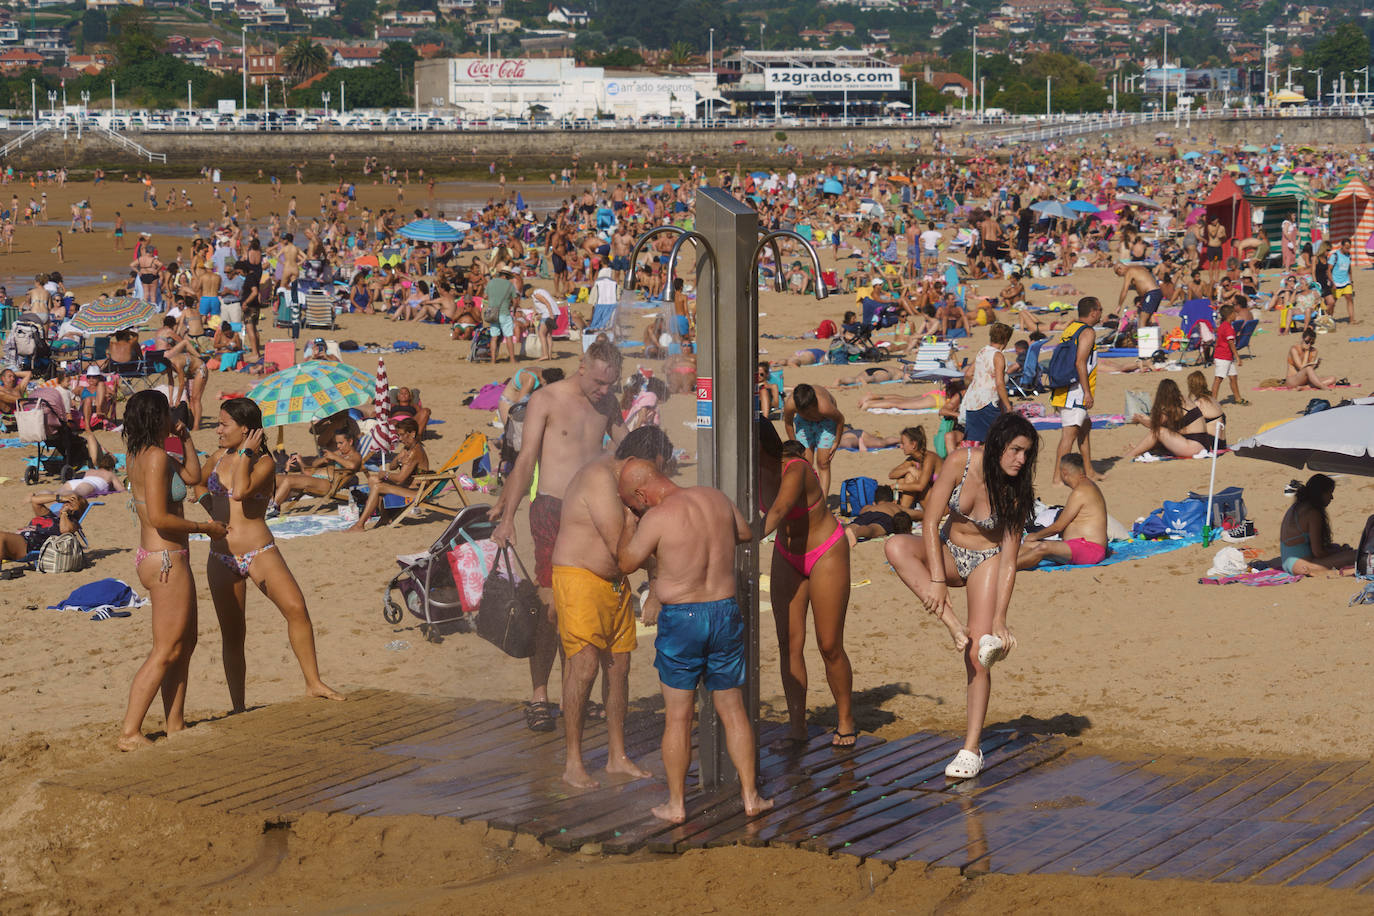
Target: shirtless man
point(1148, 295)
point(692, 534)
point(1082, 524)
point(571, 417)
point(205, 287)
point(812, 417)
point(290, 257)
point(400, 480)
point(344, 455)
point(595, 623)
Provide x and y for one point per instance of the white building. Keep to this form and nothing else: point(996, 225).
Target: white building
point(519, 87)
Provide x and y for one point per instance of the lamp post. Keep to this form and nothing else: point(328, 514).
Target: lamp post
point(112, 105)
point(1164, 91)
point(52, 102)
point(1364, 84)
point(188, 97)
point(325, 97)
point(1047, 97)
point(341, 98)
point(1318, 72)
point(85, 104)
point(243, 47)
point(1268, 57)
point(762, 27)
point(975, 71)
point(711, 65)
point(33, 92)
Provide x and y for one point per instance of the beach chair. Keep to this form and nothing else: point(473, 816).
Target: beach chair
point(317, 310)
point(1244, 331)
point(1026, 383)
point(280, 353)
point(603, 322)
point(98, 351)
point(932, 363)
point(1197, 320)
point(287, 314)
point(432, 484)
point(562, 329)
point(149, 364)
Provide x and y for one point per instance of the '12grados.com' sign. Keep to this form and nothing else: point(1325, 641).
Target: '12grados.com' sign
point(821, 79)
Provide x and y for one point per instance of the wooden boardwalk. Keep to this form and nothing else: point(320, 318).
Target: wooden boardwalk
point(1038, 807)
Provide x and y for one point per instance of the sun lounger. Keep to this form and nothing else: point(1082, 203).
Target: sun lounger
point(932, 363)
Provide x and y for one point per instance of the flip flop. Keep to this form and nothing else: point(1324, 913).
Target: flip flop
point(596, 712)
point(838, 736)
point(106, 614)
point(539, 717)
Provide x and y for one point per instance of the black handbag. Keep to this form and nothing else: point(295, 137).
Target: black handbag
point(508, 614)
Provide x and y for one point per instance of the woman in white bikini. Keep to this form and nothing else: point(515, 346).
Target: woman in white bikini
point(241, 479)
point(157, 486)
point(989, 500)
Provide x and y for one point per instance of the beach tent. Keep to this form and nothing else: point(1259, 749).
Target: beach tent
point(1229, 205)
point(1351, 216)
point(1289, 198)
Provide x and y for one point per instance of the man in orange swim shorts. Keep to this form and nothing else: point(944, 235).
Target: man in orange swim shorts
point(1082, 524)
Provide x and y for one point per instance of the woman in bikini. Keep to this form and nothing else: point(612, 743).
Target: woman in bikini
point(810, 567)
point(240, 483)
point(1305, 533)
point(1303, 362)
point(157, 486)
point(1182, 431)
point(990, 492)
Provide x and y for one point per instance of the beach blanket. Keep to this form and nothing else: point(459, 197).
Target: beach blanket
point(903, 410)
point(1257, 578)
point(1361, 339)
point(1286, 388)
point(1128, 551)
point(1100, 421)
point(1151, 457)
point(488, 397)
point(299, 526)
point(107, 594)
point(13, 443)
point(1120, 353)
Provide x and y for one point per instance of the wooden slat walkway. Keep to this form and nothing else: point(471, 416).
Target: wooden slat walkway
point(1038, 807)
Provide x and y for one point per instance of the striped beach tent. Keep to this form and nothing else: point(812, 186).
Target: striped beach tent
point(1289, 198)
point(1351, 215)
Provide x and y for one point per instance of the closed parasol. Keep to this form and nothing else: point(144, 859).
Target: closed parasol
point(383, 433)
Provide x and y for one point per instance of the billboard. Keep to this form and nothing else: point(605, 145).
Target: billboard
point(509, 70)
point(648, 87)
point(831, 79)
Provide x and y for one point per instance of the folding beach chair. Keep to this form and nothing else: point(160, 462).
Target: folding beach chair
point(317, 310)
point(287, 313)
point(603, 322)
point(1198, 321)
point(30, 560)
point(932, 363)
point(1244, 331)
point(280, 353)
point(149, 364)
point(1026, 383)
point(432, 484)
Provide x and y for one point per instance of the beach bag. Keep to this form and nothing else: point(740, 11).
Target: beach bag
point(28, 338)
point(1151, 526)
point(1185, 518)
point(508, 613)
point(62, 553)
point(842, 354)
point(856, 493)
point(470, 564)
point(1317, 405)
point(826, 330)
point(1228, 507)
point(1364, 556)
point(489, 312)
point(1062, 371)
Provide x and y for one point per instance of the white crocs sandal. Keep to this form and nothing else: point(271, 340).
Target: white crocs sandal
point(965, 765)
point(991, 649)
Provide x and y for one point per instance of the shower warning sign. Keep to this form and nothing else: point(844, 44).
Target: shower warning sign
point(704, 394)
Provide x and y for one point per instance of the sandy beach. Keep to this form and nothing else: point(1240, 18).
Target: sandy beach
point(1132, 658)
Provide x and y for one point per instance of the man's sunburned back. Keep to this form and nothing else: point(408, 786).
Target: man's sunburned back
point(574, 432)
point(1091, 521)
point(591, 496)
point(696, 546)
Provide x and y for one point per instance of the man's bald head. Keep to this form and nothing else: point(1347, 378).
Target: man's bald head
point(641, 485)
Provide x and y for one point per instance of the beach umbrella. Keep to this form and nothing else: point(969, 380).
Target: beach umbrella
point(459, 224)
point(107, 316)
point(899, 179)
point(1106, 216)
point(832, 186)
point(1054, 209)
point(1191, 155)
point(1125, 181)
point(758, 176)
point(519, 201)
point(311, 391)
point(383, 433)
point(429, 230)
point(1339, 440)
point(1136, 200)
point(1083, 206)
point(1250, 148)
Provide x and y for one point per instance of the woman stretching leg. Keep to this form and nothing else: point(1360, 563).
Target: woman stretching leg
point(241, 479)
point(990, 493)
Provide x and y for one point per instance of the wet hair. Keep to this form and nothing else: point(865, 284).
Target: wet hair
point(999, 334)
point(1312, 494)
point(1072, 460)
point(244, 412)
point(793, 449)
point(1087, 305)
point(901, 523)
point(405, 424)
point(648, 442)
point(1167, 412)
point(146, 415)
point(603, 351)
point(1197, 386)
point(917, 436)
point(882, 494)
point(1012, 498)
point(804, 397)
point(954, 386)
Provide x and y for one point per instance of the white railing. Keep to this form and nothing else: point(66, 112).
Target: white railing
point(137, 148)
point(1094, 123)
point(23, 138)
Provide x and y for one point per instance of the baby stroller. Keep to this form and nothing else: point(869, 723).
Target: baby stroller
point(481, 345)
point(27, 347)
point(57, 449)
point(426, 583)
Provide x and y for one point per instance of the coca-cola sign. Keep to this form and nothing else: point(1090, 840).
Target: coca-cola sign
point(507, 70)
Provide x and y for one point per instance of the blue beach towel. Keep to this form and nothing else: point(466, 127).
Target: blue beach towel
point(107, 593)
point(1128, 551)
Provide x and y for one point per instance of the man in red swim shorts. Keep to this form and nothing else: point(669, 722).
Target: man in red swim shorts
point(1082, 524)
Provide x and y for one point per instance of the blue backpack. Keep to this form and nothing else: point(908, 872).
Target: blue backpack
point(856, 493)
point(1173, 519)
point(1062, 371)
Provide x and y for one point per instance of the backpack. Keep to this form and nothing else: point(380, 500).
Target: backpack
point(826, 330)
point(1228, 508)
point(1364, 556)
point(842, 354)
point(490, 314)
point(856, 493)
point(1062, 371)
point(1317, 405)
point(61, 553)
point(28, 338)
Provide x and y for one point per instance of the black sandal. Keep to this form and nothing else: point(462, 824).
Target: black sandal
point(539, 717)
point(596, 712)
point(838, 736)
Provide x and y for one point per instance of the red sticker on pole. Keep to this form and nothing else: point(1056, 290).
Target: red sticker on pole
point(704, 407)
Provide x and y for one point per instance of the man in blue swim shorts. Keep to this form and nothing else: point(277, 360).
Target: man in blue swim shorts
point(812, 417)
point(692, 534)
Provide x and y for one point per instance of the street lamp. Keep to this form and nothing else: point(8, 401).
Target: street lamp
point(52, 102)
point(243, 47)
point(85, 103)
point(1164, 91)
point(711, 65)
point(1318, 72)
point(762, 27)
point(1364, 84)
point(1268, 57)
point(325, 97)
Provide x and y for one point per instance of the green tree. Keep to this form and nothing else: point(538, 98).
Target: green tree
point(135, 39)
point(95, 26)
point(1344, 49)
point(398, 55)
point(618, 59)
point(365, 87)
point(679, 54)
point(304, 58)
point(356, 16)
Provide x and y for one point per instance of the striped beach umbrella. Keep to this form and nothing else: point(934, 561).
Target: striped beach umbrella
point(429, 230)
point(383, 433)
point(311, 391)
point(106, 316)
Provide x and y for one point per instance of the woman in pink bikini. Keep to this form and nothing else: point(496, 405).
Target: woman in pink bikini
point(241, 480)
point(810, 567)
point(157, 486)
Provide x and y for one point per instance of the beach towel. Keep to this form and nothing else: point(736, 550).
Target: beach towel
point(1259, 578)
point(102, 593)
point(903, 410)
point(299, 526)
point(12, 443)
point(488, 397)
point(1099, 421)
point(1128, 551)
point(1361, 339)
